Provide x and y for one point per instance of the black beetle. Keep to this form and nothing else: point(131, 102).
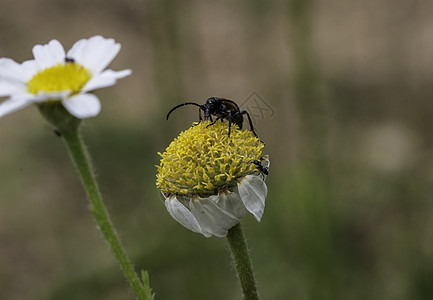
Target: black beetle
point(222, 109)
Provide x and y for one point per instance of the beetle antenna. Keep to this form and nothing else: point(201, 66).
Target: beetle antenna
point(183, 104)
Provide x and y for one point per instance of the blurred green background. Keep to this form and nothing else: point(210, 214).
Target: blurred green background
point(347, 88)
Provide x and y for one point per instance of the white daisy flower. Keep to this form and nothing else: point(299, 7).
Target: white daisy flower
point(54, 75)
point(210, 180)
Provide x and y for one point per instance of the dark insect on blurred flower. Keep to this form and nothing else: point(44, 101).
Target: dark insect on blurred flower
point(210, 180)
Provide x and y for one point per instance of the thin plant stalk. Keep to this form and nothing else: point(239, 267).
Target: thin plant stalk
point(241, 258)
point(81, 159)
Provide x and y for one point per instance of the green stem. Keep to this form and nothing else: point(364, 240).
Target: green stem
point(239, 249)
point(81, 159)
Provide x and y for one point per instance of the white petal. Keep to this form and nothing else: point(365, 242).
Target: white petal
point(76, 52)
point(105, 79)
point(8, 87)
point(48, 55)
point(232, 203)
point(11, 70)
point(253, 191)
point(212, 218)
point(182, 215)
point(13, 104)
point(30, 67)
point(82, 105)
point(95, 53)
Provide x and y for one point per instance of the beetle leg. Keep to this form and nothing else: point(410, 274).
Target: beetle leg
point(213, 122)
point(199, 115)
point(244, 112)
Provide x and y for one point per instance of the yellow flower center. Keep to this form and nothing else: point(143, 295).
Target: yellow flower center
point(204, 158)
point(61, 77)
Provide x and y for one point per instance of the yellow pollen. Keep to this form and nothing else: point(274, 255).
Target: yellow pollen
point(204, 158)
point(61, 77)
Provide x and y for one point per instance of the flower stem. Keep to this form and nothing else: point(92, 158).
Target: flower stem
point(239, 249)
point(81, 159)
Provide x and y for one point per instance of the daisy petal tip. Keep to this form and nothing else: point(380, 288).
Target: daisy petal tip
point(182, 215)
point(11, 105)
point(55, 44)
point(124, 73)
point(253, 192)
point(82, 105)
point(49, 54)
point(96, 53)
point(211, 217)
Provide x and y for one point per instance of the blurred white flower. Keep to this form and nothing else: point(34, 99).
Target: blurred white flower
point(54, 75)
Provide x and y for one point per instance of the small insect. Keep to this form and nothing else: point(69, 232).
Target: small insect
point(260, 167)
point(50, 129)
point(57, 132)
point(222, 109)
point(263, 165)
point(69, 60)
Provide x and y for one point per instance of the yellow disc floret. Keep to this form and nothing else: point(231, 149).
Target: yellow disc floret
point(61, 77)
point(204, 158)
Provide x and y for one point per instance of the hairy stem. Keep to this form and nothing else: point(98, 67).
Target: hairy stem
point(241, 258)
point(81, 159)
